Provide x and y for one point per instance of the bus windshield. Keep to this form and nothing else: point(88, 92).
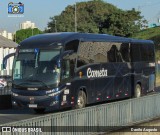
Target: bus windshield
point(36, 68)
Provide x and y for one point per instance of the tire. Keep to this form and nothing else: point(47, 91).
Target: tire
point(81, 100)
point(138, 91)
point(39, 111)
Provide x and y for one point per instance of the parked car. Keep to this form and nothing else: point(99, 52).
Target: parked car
point(1, 86)
point(5, 80)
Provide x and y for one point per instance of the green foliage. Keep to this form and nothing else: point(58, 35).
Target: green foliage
point(25, 33)
point(123, 23)
point(151, 34)
point(96, 16)
point(158, 79)
point(157, 54)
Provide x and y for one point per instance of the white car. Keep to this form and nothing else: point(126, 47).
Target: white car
point(1, 86)
point(3, 83)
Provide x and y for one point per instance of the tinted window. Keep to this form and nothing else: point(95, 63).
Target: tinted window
point(125, 52)
point(102, 52)
point(119, 52)
point(99, 54)
point(135, 52)
point(151, 53)
point(85, 53)
point(73, 45)
point(111, 54)
point(144, 52)
point(94, 52)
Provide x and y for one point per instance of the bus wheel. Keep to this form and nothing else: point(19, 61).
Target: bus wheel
point(39, 111)
point(137, 92)
point(81, 101)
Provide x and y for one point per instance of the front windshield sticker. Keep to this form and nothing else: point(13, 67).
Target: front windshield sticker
point(26, 50)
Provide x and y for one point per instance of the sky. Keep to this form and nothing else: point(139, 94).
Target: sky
point(39, 11)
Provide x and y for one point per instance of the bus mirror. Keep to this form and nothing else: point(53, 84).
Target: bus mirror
point(3, 66)
point(4, 63)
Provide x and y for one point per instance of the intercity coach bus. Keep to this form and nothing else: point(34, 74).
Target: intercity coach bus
point(60, 70)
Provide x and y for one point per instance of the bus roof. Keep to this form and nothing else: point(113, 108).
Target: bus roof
point(63, 37)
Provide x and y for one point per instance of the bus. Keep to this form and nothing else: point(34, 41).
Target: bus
point(59, 70)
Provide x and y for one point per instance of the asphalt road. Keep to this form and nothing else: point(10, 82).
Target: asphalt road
point(12, 115)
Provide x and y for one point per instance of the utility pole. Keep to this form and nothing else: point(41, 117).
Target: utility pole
point(15, 32)
point(55, 26)
point(32, 31)
point(75, 19)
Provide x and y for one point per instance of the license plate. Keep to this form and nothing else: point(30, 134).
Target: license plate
point(32, 105)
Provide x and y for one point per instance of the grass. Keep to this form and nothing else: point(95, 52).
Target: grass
point(151, 34)
point(158, 79)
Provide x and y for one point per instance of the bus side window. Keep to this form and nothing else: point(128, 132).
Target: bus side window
point(125, 52)
point(135, 52)
point(144, 52)
point(151, 56)
point(83, 54)
point(72, 45)
point(111, 54)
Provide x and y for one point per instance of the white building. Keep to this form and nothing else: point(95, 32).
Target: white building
point(27, 24)
point(7, 35)
point(6, 47)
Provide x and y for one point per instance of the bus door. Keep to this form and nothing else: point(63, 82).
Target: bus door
point(67, 72)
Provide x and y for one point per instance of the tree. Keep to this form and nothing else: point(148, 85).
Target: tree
point(25, 33)
point(123, 23)
point(89, 15)
point(97, 16)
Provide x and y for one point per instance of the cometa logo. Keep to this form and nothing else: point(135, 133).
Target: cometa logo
point(96, 73)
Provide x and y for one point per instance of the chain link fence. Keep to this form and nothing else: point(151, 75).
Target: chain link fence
point(5, 90)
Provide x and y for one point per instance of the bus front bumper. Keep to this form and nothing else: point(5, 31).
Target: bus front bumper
point(36, 101)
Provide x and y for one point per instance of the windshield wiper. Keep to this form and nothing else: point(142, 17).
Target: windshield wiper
point(21, 84)
point(36, 80)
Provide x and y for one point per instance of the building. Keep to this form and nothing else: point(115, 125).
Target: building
point(6, 47)
point(27, 24)
point(7, 35)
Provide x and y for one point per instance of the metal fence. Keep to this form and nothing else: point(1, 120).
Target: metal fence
point(94, 119)
point(5, 91)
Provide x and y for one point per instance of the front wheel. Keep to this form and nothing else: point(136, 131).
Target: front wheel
point(137, 92)
point(81, 100)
